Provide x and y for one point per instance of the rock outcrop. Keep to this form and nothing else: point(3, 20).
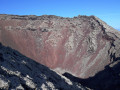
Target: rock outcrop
point(18, 72)
point(82, 45)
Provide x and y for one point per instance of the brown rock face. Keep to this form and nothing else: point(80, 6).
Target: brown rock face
point(81, 45)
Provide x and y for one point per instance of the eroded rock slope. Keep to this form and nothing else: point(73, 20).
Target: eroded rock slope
point(82, 45)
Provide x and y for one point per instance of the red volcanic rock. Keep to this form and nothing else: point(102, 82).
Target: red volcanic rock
point(81, 45)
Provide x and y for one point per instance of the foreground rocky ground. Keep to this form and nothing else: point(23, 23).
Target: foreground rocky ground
point(18, 72)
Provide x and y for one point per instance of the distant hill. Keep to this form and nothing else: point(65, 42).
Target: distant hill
point(81, 45)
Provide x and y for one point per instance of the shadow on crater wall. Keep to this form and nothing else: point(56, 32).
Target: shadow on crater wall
point(108, 79)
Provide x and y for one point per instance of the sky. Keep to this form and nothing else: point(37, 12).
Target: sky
point(107, 10)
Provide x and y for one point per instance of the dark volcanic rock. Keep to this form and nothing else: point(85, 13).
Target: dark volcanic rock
point(18, 72)
point(81, 45)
